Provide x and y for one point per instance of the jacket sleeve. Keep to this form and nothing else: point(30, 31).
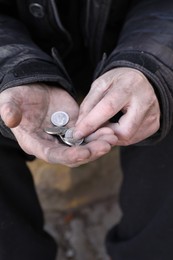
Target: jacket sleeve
point(146, 43)
point(23, 62)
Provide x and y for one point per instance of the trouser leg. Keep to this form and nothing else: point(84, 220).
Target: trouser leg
point(146, 229)
point(21, 220)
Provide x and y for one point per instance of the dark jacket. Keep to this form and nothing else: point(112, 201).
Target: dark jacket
point(41, 40)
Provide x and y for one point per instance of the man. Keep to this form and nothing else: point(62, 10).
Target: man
point(124, 50)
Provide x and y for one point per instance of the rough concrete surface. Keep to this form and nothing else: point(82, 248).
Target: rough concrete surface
point(79, 204)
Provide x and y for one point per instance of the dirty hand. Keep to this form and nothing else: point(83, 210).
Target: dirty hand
point(121, 89)
point(27, 111)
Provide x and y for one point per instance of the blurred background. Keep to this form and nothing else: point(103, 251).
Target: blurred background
point(80, 204)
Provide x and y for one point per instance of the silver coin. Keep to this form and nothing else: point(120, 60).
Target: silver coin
point(69, 133)
point(60, 118)
point(56, 130)
point(69, 140)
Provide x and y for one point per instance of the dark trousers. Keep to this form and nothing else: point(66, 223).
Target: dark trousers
point(21, 220)
point(145, 231)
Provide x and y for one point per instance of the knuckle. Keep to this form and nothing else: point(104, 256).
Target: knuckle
point(47, 155)
point(106, 148)
point(158, 124)
point(133, 75)
point(154, 122)
point(152, 101)
point(136, 75)
point(154, 119)
point(99, 84)
point(125, 136)
point(72, 165)
point(110, 107)
point(70, 156)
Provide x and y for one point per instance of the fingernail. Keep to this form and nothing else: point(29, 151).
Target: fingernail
point(77, 135)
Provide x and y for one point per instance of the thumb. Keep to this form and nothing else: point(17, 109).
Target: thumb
point(10, 113)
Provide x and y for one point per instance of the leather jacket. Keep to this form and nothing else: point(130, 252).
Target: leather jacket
point(38, 39)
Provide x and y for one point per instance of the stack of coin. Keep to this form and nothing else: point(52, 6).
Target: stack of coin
point(59, 119)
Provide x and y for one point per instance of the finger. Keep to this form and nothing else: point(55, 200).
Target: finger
point(135, 126)
point(101, 113)
point(109, 138)
point(75, 156)
point(50, 149)
point(145, 130)
point(54, 152)
point(97, 148)
point(69, 156)
point(10, 114)
point(127, 125)
point(100, 133)
point(98, 90)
